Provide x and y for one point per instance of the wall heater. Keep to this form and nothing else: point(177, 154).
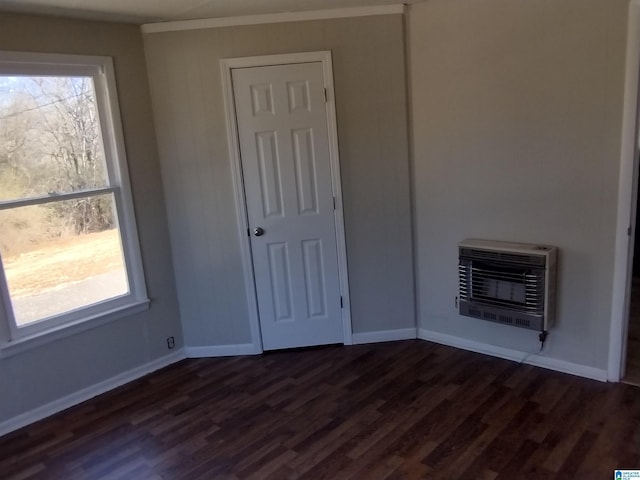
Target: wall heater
point(508, 283)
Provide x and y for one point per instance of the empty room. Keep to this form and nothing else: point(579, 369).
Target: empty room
point(324, 239)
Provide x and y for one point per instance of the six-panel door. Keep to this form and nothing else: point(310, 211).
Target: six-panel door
point(282, 130)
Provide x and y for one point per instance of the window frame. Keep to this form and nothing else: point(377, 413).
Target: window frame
point(101, 70)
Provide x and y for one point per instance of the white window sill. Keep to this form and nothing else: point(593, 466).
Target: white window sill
point(22, 344)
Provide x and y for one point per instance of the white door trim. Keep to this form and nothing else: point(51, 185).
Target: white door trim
point(627, 194)
point(226, 67)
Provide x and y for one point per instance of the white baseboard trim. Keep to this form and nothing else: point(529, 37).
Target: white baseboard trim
point(384, 336)
point(24, 419)
point(515, 355)
point(223, 350)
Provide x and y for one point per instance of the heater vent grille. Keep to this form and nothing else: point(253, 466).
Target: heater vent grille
point(512, 284)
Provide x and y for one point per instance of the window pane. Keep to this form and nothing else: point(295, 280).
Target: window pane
point(61, 256)
point(50, 140)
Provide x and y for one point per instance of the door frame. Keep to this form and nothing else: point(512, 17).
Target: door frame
point(227, 65)
point(627, 196)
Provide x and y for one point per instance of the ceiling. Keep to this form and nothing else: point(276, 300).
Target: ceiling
point(148, 11)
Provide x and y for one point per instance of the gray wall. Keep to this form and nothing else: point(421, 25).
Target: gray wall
point(517, 110)
point(48, 373)
point(369, 71)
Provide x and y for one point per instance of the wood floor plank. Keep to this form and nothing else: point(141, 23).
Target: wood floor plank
point(400, 410)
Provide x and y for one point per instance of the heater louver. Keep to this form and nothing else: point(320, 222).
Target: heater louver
point(507, 283)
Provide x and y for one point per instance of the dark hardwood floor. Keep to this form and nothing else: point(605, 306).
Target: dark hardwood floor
point(402, 410)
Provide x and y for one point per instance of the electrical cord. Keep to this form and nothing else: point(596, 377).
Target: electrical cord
point(542, 337)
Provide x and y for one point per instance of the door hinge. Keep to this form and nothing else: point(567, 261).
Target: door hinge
point(326, 95)
point(341, 303)
point(334, 203)
point(248, 232)
point(629, 231)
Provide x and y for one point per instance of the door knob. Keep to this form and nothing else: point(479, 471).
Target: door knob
point(258, 231)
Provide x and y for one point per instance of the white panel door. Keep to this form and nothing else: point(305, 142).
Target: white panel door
point(284, 148)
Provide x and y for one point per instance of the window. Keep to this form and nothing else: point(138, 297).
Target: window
point(68, 244)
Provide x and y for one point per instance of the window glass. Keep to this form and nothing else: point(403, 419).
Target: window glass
point(50, 140)
point(61, 256)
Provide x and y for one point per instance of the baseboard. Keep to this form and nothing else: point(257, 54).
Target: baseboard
point(384, 336)
point(85, 394)
point(515, 355)
point(222, 350)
